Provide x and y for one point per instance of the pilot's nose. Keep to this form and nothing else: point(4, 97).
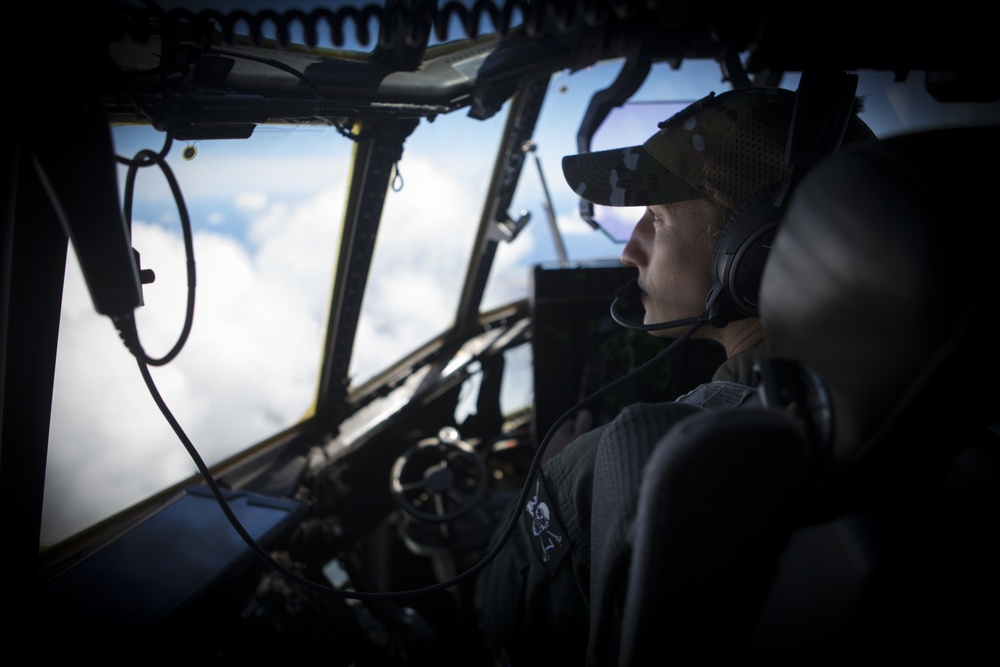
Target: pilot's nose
point(634, 253)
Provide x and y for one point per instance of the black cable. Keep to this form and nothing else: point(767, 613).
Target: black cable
point(277, 64)
point(628, 296)
point(396, 24)
point(167, 143)
point(127, 331)
point(143, 158)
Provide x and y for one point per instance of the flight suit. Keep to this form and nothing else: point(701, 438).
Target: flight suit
point(536, 593)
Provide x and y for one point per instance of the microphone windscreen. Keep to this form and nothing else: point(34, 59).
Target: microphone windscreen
point(627, 295)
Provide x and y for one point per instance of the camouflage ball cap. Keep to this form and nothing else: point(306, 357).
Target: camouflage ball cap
point(726, 146)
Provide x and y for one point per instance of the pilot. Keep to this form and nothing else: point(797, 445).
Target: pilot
point(704, 163)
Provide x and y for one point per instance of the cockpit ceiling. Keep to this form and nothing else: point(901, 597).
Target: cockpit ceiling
point(424, 63)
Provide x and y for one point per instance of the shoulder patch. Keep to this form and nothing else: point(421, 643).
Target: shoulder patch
point(717, 394)
point(548, 537)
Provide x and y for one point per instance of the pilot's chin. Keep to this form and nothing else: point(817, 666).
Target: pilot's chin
point(654, 318)
point(667, 333)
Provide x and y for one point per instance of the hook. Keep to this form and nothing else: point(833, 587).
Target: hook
point(397, 180)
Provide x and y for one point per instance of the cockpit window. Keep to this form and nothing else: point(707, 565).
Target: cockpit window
point(561, 236)
point(425, 239)
point(266, 215)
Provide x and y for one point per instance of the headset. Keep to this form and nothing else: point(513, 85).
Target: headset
point(824, 104)
point(741, 252)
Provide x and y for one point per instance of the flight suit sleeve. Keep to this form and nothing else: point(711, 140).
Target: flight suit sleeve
point(536, 591)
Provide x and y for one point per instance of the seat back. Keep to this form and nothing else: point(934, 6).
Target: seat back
point(880, 282)
point(718, 494)
point(722, 482)
point(875, 300)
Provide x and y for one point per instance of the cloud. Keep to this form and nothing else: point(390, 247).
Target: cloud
point(248, 369)
point(429, 228)
point(215, 218)
point(251, 201)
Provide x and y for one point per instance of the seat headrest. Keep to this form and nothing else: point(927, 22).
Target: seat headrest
point(876, 282)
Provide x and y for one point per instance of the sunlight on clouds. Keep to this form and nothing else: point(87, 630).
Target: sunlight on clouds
point(105, 430)
point(250, 201)
point(431, 223)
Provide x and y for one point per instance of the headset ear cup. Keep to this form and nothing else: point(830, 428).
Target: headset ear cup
point(741, 251)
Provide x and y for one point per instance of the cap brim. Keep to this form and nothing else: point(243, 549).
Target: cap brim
point(625, 177)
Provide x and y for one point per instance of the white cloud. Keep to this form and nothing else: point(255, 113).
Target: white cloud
point(251, 201)
point(424, 246)
point(248, 369)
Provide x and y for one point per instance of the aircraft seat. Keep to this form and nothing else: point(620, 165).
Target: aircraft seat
point(853, 514)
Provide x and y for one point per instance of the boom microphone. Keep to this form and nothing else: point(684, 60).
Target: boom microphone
point(627, 297)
